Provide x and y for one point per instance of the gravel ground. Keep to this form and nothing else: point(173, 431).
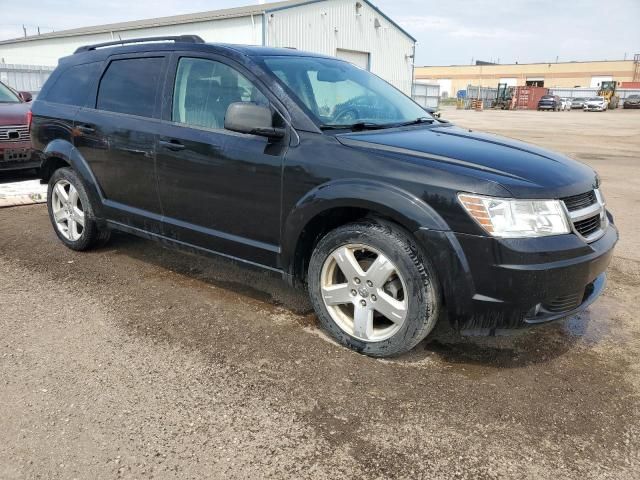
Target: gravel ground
point(138, 362)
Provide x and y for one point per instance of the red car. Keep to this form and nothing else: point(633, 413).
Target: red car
point(15, 143)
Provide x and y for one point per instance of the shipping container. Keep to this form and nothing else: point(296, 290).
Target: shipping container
point(527, 98)
point(633, 85)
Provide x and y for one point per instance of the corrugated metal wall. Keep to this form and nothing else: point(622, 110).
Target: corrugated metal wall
point(325, 27)
point(47, 51)
point(24, 78)
point(426, 95)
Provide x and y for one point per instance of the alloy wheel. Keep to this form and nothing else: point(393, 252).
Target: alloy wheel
point(364, 292)
point(68, 211)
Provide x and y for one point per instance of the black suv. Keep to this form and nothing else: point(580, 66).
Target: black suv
point(550, 102)
point(318, 170)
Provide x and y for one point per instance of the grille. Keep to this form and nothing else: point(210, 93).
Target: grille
point(588, 226)
point(577, 202)
point(14, 133)
point(587, 213)
point(563, 303)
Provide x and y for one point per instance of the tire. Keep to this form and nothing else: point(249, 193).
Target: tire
point(408, 281)
point(68, 214)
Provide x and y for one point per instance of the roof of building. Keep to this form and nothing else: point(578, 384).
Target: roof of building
point(255, 9)
point(498, 65)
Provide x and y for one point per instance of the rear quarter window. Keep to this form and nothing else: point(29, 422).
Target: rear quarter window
point(74, 85)
point(130, 86)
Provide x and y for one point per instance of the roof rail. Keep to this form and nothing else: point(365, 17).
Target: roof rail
point(175, 38)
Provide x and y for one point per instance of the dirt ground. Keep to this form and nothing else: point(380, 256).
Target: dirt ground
point(138, 362)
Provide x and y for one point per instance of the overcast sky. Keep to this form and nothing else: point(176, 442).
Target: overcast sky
point(448, 32)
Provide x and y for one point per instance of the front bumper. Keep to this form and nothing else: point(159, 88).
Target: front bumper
point(592, 108)
point(17, 156)
point(547, 107)
point(490, 283)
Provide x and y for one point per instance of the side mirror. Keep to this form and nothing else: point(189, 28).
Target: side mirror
point(25, 96)
point(245, 117)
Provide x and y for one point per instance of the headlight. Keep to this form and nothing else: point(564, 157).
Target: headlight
point(511, 218)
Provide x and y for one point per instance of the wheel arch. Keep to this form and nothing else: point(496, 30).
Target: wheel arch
point(330, 205)
point(61, 153)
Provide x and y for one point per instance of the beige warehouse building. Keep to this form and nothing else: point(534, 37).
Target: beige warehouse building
point(565, 74)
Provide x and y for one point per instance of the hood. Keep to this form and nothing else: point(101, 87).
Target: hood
point(523, 169)
point(595, 102)
point(14, 113)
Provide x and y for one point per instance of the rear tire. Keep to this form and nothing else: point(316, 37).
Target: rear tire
point(373, 289)
point(71, 212)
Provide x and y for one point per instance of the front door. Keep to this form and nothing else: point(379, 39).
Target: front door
point(219, 190)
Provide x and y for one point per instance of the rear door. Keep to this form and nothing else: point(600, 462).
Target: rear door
point(220, 190)
point(117, 137)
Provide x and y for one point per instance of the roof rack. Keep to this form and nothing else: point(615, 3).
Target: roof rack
point(175, 38)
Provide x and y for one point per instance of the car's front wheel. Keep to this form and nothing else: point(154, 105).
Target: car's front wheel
point(373, 289)
point(71, 212)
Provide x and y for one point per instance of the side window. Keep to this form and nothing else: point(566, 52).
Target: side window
point(74, 85)
point(130, 86)
point(204, 89)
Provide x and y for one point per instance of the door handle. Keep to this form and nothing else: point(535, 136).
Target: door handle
point(174, 145)
point(86, 129)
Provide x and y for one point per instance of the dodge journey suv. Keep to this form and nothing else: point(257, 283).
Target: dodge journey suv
point(317, 170)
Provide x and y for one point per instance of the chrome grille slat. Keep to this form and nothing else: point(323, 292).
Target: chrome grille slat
point(21, 130)
point(588, 215)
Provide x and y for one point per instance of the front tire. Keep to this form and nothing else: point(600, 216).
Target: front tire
point(71, 212)
point(373, 289)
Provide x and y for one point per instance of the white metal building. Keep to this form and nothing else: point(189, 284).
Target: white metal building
point(355, 30)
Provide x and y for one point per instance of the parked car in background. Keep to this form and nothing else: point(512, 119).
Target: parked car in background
point(566, 103)
point(550, 102)
point(578, 102)
point(632, 101)
point(321, 172)
point(434, 112)
point(595, 104)
point(15, 144)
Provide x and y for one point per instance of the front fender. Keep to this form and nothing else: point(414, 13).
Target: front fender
point(387, 200)
point(64, 150)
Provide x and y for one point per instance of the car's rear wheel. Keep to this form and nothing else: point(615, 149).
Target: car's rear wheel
point(71, 212)
point(373, 289)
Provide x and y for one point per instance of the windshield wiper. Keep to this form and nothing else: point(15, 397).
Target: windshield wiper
point(354, 126)
point(416, 121)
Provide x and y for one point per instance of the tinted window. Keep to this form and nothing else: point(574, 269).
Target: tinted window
point(204, 89)
point(74, 85)
point(130, 86)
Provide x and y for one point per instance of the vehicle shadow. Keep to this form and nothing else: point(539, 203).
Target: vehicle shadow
point(514, 350)
point(13, 176)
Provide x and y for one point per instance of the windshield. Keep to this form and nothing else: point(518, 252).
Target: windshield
point(547, 97)
point(7, 95)
point(596, 99)
point(338, 94)
point(580, 99)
